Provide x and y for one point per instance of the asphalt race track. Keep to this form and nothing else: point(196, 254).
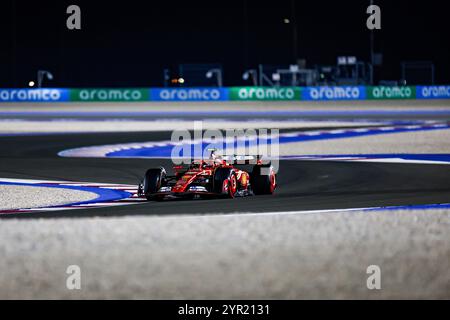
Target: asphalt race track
point(303, 185)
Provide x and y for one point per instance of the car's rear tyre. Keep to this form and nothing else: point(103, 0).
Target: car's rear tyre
point(225, 182)
point(263, 183)
point(153, 180)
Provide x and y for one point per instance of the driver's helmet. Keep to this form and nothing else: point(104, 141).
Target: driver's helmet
point(213, 156)
point(195, 165)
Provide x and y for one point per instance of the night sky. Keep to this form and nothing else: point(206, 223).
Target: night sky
point(129, 43)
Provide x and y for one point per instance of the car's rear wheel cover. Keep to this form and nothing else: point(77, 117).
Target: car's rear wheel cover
point(272, 182)
point(232, 186)
point(225, 186)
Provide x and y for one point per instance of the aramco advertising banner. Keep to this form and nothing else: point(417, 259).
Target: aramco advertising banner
point(189, 94)
point(433, 92)
point(264, 93)
point(34, 95)
point(109, 95)
point(320, 93)
point(333, 93)
point(384, 92)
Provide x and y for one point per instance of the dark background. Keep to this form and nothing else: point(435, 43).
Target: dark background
point(129, 43)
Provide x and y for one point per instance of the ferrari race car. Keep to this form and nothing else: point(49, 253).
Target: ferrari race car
point(215, 177)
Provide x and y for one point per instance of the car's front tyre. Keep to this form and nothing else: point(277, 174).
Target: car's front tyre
point(154, 179)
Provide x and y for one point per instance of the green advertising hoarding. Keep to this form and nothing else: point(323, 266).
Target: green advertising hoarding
point(264, 93)
point(224, 94)
point(383, 92)
point(109, 95)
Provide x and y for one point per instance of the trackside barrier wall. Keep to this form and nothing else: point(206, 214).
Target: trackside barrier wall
point(330, 93)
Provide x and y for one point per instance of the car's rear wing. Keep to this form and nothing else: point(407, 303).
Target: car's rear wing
point(243, 159)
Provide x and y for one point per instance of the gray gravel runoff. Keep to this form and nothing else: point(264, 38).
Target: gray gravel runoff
point(271, 256)
point(21, 197)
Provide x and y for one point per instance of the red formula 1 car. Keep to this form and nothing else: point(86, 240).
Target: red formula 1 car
point(215, 177)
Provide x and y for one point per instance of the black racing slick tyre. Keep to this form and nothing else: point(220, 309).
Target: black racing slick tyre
point(263, 183)
point(153, 180)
